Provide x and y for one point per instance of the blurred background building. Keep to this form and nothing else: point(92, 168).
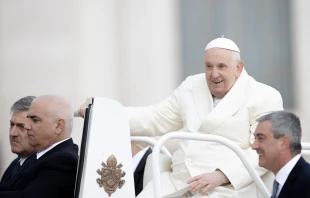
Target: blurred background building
point(138, 52)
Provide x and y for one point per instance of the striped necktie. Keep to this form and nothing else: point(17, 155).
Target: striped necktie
point(275, 189)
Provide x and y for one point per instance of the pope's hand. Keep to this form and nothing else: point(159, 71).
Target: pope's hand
point(82, 110)
point(207, 181)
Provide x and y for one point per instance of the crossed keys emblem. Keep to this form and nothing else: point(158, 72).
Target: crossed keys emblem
point(111, 175)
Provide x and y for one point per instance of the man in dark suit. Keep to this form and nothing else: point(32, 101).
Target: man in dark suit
point(18, 141)
point(52, 175)
point(278, 144)
point(139, 156)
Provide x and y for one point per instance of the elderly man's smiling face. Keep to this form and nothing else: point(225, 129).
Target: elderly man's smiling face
point(222, 69)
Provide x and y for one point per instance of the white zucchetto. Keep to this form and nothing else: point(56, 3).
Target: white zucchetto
point(223, 43)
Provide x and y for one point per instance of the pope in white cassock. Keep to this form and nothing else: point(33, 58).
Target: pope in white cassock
point(223, 101)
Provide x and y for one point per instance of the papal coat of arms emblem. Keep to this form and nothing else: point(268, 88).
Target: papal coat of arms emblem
point(111, 175)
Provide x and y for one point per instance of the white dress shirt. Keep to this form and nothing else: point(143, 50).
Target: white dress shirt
point(137, 158)
point(41, 153)
point(282, 175)
point(216, 101)
point(22, 160)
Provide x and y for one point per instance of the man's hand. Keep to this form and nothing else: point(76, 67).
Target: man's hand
point(82, 110)
point(207, 181)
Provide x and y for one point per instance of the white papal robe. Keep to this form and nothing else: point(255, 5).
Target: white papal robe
point(190, 109)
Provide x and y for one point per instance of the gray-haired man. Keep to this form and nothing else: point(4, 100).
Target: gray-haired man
point(19, 141)
point(277, 142)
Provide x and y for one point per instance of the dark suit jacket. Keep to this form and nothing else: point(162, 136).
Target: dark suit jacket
point(7, 177)
point(297, 184)
point(139, 172)
point(51, 176)
point(8, 172)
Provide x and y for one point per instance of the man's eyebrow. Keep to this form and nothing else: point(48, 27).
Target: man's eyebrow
point(32, 116)
point(222, 64)
point(12, 122)
point(17, 123)
point(259, 134)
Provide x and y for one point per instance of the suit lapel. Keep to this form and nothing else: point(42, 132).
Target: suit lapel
point(139, 172)
point(287, 187)
point(228, 106)
point(26, 165)
point(8, 173)
point(31, 172)
point(141, 165)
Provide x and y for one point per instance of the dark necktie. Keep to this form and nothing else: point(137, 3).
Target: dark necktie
point(275, 189)
point(16, 169)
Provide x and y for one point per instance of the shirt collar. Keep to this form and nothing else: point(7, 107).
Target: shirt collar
point(282, 175)
point(22, 160)
point(41, 153)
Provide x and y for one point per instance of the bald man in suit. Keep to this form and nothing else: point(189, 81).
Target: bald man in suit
point(52, 175)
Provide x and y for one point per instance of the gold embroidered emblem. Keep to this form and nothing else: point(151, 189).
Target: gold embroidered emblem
point(111, 175)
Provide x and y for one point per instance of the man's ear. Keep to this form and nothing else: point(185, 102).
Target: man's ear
point(239, 68)
point(285, 142)
point(60, 126)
